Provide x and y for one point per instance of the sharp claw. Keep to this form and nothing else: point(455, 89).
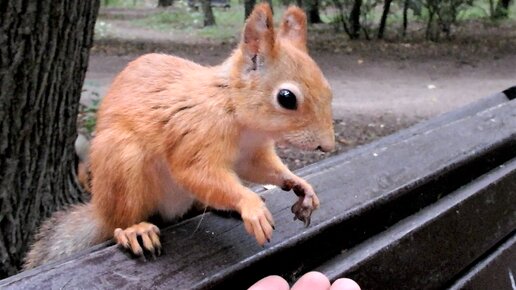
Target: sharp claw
point(307, 221)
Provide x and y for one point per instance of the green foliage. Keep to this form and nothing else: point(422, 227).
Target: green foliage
point(88, 116)
point(438, 16)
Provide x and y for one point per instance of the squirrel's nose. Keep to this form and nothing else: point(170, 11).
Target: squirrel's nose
point(327, 147)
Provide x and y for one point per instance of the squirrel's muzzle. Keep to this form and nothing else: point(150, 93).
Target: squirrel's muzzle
point(327, 144)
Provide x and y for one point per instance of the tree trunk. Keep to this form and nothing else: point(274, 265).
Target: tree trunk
point(44, 48)
point(405, 17)
point(312, 11)
point(383, 21)
point(209, 19)
point(354, 19)
point(165, 3)
point(502, 9)
point(491, 8)
point(248, 7)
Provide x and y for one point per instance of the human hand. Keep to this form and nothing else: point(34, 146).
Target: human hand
point(309, 281)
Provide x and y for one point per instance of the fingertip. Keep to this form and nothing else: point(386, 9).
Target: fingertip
point(272, 282)
point(344, 284)
point(312, 280)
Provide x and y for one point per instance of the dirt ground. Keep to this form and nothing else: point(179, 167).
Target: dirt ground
point(379, 87)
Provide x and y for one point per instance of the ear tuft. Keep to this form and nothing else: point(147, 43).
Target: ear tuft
point(258, 36)
point(257, 45)
point(293, 27)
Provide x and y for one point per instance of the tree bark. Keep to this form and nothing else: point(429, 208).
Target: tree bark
point(248, 7)
point(209, 19)
point(354, 19)
point(383, 20)
point(44, 48)
point(165, 3)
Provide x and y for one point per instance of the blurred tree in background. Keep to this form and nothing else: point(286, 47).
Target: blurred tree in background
point(209, 19)
point(165, 3)
point(502, 9)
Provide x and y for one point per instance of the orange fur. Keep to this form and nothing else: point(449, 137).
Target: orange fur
point(171, 131)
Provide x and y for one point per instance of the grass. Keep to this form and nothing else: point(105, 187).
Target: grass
point(179, 18)
point(126, 3)
point(229, 22)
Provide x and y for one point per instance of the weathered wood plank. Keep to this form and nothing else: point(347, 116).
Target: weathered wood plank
point(429, 249)
point(361, 195)
point(434, 122)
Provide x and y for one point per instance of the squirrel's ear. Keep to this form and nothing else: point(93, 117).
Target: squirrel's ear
point(293, 27)
point(258, 36)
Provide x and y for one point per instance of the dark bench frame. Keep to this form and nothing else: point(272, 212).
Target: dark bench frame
point(431, 206)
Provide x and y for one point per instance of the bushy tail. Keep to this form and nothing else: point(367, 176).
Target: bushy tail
point(63, 234)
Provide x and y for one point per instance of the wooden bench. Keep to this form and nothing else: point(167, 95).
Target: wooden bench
point(432, 206)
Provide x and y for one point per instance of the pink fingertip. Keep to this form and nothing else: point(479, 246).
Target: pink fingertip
point(272, 282)
point(344, 284)
point(312, 281)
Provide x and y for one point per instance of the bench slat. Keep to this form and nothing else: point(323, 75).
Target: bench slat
point(494, 271)
point(422, 249)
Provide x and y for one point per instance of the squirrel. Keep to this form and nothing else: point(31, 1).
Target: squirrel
point(170, 132)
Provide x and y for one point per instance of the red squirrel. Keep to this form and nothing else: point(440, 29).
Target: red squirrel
point(170, 131)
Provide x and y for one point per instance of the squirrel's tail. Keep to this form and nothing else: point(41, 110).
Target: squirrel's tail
point(64, 233)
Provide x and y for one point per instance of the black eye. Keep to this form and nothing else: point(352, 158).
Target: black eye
point(287, 99)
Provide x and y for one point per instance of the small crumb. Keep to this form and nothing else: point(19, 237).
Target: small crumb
point(344, 141)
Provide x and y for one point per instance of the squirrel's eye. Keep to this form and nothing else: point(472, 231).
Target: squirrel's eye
point(287, 99)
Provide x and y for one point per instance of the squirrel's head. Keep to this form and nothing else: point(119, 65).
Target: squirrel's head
point(281, 90)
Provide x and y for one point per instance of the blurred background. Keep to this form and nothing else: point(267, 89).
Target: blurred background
point(390, 63)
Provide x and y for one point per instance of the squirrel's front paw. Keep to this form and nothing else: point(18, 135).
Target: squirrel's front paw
point(149, 234)
point(257, 219)
point(307, 202)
